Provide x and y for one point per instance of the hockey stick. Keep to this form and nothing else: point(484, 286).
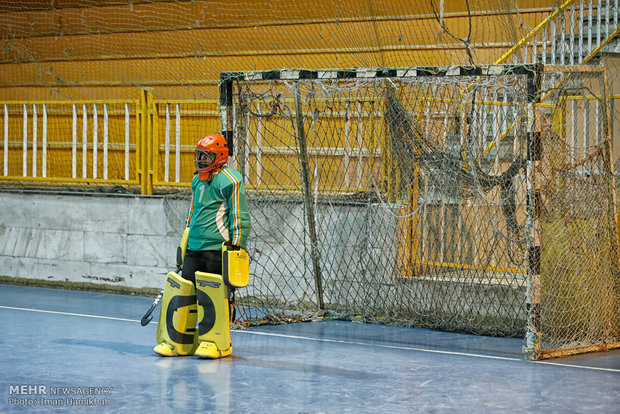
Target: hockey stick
point(149, 314)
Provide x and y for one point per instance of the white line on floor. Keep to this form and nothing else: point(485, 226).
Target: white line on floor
point(69, 313)
point(408, 348)
point(306, 338)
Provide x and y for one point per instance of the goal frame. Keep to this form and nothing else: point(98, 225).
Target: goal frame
point(535, 96)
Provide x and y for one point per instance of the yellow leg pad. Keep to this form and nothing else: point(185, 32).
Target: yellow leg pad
point(177, 318)
point(213, 311)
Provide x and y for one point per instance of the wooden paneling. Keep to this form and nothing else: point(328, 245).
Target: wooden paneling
point(79, 49)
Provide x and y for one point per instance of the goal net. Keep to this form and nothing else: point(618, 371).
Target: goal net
point(470, 199)
point(576, 290)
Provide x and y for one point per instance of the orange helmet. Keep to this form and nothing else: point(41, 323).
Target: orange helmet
point(210, 155)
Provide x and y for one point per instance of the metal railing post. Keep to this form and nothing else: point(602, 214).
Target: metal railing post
point(150, 141)
point(141, 143)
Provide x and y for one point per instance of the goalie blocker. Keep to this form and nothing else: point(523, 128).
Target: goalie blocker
point(207, 302)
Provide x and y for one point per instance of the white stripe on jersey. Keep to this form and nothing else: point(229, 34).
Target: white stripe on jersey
point(236, 214)
point(219, 220)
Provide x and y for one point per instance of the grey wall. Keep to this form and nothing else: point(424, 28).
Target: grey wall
point(116, 239)
point(131, 241)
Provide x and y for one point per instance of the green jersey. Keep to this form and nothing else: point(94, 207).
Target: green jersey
point(219, 211)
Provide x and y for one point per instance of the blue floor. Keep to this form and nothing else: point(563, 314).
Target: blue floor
point(88, 352)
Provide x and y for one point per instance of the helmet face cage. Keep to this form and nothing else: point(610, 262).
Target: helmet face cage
point(210, 155)
point(204, 159)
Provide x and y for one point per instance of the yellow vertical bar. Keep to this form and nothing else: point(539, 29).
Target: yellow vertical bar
point(138, 127)
point(558, 122)
point(149, 109)
point(414, 221)
point(156, 174)
point(141, 143)
point(139, 136)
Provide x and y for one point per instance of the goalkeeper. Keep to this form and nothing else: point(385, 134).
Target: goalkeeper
point(218, 218)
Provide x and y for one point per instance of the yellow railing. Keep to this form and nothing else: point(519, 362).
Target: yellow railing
point(91, 142)
point(145, 144)
point(176, 125)
point(576, 31)
point(569, 17)
point(536, 30)
point(94, 143)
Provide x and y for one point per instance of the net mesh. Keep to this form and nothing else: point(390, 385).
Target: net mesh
point(418, 217)
point(405, 200)
point(579, 283)
point(92, 49)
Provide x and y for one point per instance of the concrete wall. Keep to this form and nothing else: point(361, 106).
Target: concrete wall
point(121, 239)
point(131, 241)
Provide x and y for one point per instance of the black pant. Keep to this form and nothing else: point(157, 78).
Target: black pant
point(209, 261)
